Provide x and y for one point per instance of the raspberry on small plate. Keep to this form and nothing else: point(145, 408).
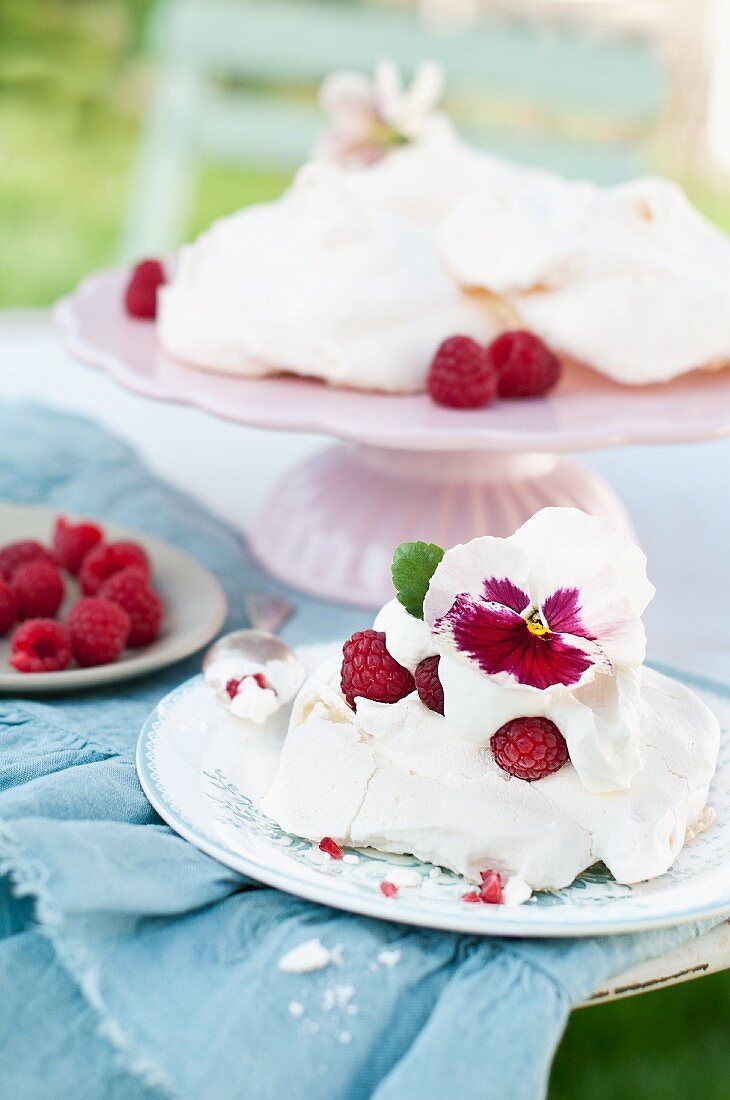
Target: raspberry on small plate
point(143, 578)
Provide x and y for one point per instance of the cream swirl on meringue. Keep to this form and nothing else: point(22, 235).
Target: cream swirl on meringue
point(319, 283)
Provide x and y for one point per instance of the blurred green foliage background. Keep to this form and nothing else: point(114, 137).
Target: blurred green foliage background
point(73, 87)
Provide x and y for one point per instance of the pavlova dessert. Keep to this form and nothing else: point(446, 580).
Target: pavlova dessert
point(398, 235)
point(499, 721)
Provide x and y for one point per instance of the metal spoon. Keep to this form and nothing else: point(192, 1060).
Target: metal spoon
point(257, 644)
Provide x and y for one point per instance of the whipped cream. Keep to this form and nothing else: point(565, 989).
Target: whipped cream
point(599, 578)
point(320, 283)
point(253, 690)
point(630, 279)
point(398, 778)
point(407, 639)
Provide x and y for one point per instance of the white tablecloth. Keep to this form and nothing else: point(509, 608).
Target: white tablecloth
point(678, 496)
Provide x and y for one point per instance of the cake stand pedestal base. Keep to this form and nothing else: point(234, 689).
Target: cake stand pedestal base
point(331, 524)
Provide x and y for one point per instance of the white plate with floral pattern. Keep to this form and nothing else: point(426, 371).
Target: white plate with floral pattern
point(205, 773)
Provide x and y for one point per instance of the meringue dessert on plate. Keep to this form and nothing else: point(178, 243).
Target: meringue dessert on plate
point(499, 720)
point(398, 235)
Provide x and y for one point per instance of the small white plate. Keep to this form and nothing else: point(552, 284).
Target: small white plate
point(195, 608)
point(205, 773)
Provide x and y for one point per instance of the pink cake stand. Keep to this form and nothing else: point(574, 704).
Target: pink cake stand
point(407, 469)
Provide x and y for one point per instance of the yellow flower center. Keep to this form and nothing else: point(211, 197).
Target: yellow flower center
point(535, 624)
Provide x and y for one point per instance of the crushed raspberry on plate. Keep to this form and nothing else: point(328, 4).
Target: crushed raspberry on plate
point(328, 845)
point(388, 889)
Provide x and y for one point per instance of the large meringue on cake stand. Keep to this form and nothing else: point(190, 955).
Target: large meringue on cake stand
point(404, 468)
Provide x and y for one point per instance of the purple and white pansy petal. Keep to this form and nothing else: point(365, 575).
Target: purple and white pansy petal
point(556, 529)
point(582, 595)
point(498, 640)
point(487, 569)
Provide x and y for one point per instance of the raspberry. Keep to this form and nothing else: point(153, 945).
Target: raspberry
point(107, 558)
point(462, 375)
point(328, 845)
point(130, 589)
point(40, 645)
point(369, 670)
point(388, 889)
point(525, 367)
point(98, 630)
point(38, 590)
point(140, 297)
point(529, 748)
point(428, 684)
point(233, 685)
point(490, 891)
point(8, 607)
point(20, 553)
point(71, 541)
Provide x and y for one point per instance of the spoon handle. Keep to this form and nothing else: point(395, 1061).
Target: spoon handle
point(267, 612)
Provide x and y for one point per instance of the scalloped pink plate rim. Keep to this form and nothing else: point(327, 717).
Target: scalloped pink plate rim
point(586, 411)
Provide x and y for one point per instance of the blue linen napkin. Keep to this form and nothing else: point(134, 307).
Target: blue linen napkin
point(133, 966)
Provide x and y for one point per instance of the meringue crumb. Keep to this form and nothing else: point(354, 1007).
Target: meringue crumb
point(705, 821)
point(403, 877)
point(308, 956)
point(344, 1037)
point(350, 857)
point(296, 1008)
point(390, 957)
point(516, 891)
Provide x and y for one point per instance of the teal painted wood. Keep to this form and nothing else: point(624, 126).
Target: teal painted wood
point(296, 40)
point(226, 66)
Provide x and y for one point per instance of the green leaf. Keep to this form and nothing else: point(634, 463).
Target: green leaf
point(414, 563)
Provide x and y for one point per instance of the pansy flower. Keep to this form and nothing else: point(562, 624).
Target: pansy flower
point(551, 606)
point(546, 622)
point(369, 117)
